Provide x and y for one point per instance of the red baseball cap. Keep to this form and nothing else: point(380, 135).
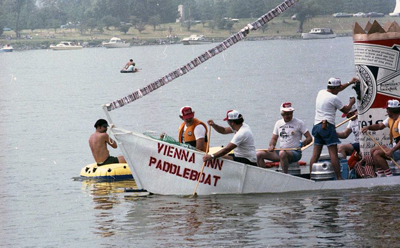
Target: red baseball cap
point(186, 112)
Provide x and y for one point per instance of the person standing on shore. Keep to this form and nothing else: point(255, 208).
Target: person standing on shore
point(324, 130)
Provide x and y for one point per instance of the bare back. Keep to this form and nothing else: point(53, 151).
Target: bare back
point(98, 144)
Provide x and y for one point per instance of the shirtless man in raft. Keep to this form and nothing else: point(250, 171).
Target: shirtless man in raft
point(98, 144)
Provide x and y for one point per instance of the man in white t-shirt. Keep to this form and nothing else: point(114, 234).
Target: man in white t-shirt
point(289, 130)
point(242, 143)
point(352, 127)
point(324, 130)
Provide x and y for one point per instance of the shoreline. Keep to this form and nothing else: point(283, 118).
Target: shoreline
point(24, 45)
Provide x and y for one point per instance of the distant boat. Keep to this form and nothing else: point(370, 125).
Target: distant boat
point(7, 48)
point(65, 45)
point(319, 33)
point(115, 42)
point(195, 39)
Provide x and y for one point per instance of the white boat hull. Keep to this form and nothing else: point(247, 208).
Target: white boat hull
point(317, 36)
point(63, 48)
point(194, 42)
point(167, 169)
point(116, 45)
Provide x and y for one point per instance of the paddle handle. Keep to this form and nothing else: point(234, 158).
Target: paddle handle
point(376, 143)
point(343, 122)
point(204, 163)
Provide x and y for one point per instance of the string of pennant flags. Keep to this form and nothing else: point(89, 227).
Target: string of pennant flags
point(203, 57)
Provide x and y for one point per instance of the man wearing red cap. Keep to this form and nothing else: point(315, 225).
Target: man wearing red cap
point(289, 130)
point(192, 131)
point(392, 151)
point(242, 143)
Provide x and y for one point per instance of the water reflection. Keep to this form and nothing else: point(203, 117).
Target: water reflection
point(357, 218)
point(105, 195)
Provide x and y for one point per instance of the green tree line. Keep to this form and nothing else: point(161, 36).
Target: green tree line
point(89, 15)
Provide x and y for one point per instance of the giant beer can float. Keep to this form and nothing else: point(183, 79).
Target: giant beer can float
point(376, 58)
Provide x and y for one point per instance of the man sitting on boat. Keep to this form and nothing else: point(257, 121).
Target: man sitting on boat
point(289, 130)
point(324, 130)
point(98, 144)
point(130, 66)
point(242, 143)
point(192, 131)
point(352, 127)
point(391, 151)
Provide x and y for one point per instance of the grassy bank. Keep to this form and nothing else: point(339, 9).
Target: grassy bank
point(279, 28)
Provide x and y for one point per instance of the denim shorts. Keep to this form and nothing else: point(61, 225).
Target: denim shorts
point(296, 156)
point(326, 136)
point(356, 147)
point(396, 155)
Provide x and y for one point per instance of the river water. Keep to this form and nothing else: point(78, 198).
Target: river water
point(50, 100)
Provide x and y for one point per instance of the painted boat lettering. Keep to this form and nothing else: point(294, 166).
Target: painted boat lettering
point(177, 153)
point(186, 173)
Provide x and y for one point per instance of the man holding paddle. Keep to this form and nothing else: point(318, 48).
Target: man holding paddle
point(242, 143)
point(352, 127)
point(381, 153)
point(289, 130)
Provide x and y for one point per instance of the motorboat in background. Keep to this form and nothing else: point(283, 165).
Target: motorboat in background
point(65, 45)
point(115, 42)
point(7, 48)
point(319, 33)
point(195, 39)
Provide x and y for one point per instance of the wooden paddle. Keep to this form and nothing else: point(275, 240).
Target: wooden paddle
point(348, 119)
point(376, 143)
point(204, 163)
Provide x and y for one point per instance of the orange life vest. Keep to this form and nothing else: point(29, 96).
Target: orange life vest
point(188, 136)
point(394, 129)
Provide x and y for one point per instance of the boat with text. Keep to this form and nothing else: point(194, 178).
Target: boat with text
point(116, 42)
point(195, 39)
point(161, 166)
point(65, 45)
point(319, 33)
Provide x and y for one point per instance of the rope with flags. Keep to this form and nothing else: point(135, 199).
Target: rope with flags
point(203, 57)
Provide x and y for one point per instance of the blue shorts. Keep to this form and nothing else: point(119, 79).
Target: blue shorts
point(296, 156)
point(396, 155)
point(356, 147)
point(326, 136)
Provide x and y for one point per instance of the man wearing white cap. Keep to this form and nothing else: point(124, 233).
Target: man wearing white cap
point(289, 130)
point(352, 127)
point(192, 131)
point(242, 143)
point(324, 130)
point(392, 151)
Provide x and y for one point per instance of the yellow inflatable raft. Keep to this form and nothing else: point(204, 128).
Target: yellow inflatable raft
point(108, 171)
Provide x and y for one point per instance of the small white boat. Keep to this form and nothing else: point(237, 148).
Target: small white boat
point(65, 45)
point(7, 48)
point(319, 33)
point(195, 39)
point(116, 42)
